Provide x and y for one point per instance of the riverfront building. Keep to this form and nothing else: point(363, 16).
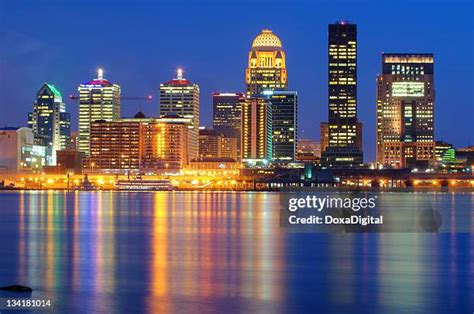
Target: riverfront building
point(284, 106)
point(343, 130)
point(256, 143)
point(99, 99)
point(266, 68)
point(405, 111)
point(49, 121)
point(180, 97)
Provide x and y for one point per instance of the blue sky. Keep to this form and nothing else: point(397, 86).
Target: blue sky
point(141, 43)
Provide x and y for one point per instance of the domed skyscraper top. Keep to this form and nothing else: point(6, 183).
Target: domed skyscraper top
point(266, 39)
point(266, 70)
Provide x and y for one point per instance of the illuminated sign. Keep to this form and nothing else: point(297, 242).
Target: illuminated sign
point(408, 89)
point(225, 94)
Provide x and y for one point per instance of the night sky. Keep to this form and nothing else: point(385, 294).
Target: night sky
point(141, 43)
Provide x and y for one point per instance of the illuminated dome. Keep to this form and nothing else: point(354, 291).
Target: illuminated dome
point(266, 39)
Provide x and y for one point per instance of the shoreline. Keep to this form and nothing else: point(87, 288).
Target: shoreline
point(282, 190)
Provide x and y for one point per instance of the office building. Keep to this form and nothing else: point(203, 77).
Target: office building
point(180, 97)
point(210, 143)
point(226, 120)
point(99, 99)
point(266, 68)
point(405, 111)
point(324, 136)
point(226, 113)
point(308, 150)
point(213, 144)
point(284, 106)
point(70, 161)
point(229, 148)
point(18, 151)
point(165, 144)
point(114, 146)
point(256, 142)
point(467, 153)
point(72, 143)
point(343, 129)
point(50, 122)
point(440, 149)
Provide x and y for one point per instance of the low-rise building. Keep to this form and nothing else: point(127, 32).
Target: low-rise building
point(18, 152)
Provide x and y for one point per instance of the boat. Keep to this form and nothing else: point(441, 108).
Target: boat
point(87, 185)
point(143, 185)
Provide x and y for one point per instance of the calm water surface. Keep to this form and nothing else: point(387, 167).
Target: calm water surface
point(106, 252)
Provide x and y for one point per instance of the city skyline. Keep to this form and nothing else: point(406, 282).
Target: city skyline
point(213, 81)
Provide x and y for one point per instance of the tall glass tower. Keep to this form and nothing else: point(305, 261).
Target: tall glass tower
point(226, 115)
point(50, 122)
point(344, 131)
point(99, 99)
point(180, 97)
point(284, 106)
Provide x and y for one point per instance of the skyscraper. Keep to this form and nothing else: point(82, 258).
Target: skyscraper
point(181, 97)
point(256, 139)
point(344, 131)
point(284, 106)
point(50, 122)
point(226, 113)
point(405, 111)
point(266, 64)
point(99, 99)
point(227, 109)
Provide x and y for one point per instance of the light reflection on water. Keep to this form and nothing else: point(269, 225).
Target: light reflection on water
point(194, 252)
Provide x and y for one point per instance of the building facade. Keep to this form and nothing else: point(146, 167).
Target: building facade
point(18, 151)
point(99, 99)
point(180, 97)
point(50, 122)
point(230, 148)
point(284, 106)
point(210, 143)
point(139, 144)
point(226, 113)
point(440, 149)
point(308, 150)
point(344, 130)
point(114, 146)
point(256, 142)
point(227, 108)
point(70, 161)
point(266, 68)
point(165, 144)
point(213, 144)
point(405, 111)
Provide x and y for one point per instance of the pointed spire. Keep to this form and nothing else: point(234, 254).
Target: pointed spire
point(180, 74)
point(100, 74)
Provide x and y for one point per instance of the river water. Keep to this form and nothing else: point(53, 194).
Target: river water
point(201, 252)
